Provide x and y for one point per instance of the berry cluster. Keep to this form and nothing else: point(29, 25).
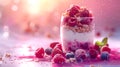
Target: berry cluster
point(74, 45)
point(75, 55)
point(77, 18)
point(103, 48)
point(54, 50)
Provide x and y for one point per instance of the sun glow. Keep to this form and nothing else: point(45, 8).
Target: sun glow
point(33, 6)
point(40, 6)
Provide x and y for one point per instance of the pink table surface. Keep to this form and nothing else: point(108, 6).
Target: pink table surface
point(24, 46)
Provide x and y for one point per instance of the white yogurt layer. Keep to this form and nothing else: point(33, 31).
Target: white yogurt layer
point(69, 35)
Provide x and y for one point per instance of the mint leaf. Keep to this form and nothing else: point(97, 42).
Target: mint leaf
point(99, 43)
point(105, 41)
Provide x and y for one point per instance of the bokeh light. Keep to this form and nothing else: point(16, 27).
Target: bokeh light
point(14, 8)
point(6, 32)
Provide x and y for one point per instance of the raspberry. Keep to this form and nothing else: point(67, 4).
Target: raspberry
point(97, 48)
point(80, 55)
point(79, 52)
point(74, 10)
point(58, 58)
point(84, 13)
point(73, 47)
point(81, 58)
point(39, 53)
point(104, 55)
point(90, 15)
point(70, 55)
point(65, 20)
point(92, 53)
point(56, 51)
point(105, 48)
point(58, 46)
point(53, 44)
point(86, 21)
point(72, 22)
point(48, 51)
point(85, 45)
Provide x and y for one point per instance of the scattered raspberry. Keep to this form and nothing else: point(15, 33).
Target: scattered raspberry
point(92, 53)
point(80, 55)
point(81, 58)
point(58, 46)
point(85, 45)
point(79, 52)
point(105, 48)
point(39, 53)
point(73, 46)
point(58, 58)
point(97, 48)
point(56, 51)
point(53, 44)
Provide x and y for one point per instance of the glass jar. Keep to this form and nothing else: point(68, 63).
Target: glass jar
point(77, 31)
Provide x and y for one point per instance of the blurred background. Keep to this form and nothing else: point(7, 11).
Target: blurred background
point(42, 17)
point(28, 24)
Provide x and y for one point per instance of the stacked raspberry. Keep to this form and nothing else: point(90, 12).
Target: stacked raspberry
point(77, 19)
